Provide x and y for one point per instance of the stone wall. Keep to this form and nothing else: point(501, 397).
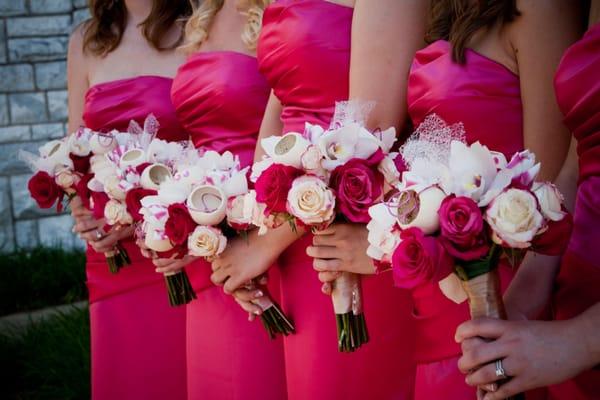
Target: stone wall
point(34, 37)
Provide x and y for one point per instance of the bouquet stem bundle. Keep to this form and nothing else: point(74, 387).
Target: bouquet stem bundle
point(273, 318)
point(180, 289)
point(117, 259)
point(485, 299)
point(350, 320)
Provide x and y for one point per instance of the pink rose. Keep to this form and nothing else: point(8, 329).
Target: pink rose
point(273, 185)
point(419, 259)
point(461, 225)
point(358, 185)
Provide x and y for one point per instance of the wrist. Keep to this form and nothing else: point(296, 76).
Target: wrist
point(581, 335)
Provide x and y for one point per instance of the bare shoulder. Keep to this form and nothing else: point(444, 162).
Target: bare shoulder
point(76, 41)
point(545, 14)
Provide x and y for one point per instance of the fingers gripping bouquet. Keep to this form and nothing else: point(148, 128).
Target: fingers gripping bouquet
point(314, 178)
point(461, 208)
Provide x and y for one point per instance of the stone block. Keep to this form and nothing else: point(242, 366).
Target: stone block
point(26, 234)
point(39, 26)
point(56, 231)
point(15, 133)
point(57, 105)
point(38, 48)
point(52, 75)
point(12, 7)
point(50, 6)
point(16, 78)
point(27, 108)
point(47, 131)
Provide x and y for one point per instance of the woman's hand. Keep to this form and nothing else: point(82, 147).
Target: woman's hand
point(243, 260)
point(110, 239)
point(533, 354)
point(172, 265)
point(248, 297)
point(340, 248)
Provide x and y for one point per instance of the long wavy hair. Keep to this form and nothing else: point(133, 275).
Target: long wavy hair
point(458, 20)
point(103, 32)
point(197, 27)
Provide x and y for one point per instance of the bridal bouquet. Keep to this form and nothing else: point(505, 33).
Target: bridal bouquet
point(461, 208)
point(186, 215)
point(63, 168)
point(322, 175)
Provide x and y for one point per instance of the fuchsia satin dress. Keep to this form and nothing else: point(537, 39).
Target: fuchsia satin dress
point(304, 51)
point(485, 96)
point(220, 99)
point(137, 339)
point(577, 85)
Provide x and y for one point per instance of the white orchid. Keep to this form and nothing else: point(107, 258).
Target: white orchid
point(383, 235)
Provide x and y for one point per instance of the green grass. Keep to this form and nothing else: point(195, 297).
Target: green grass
point(39, 278)
point(47, 360)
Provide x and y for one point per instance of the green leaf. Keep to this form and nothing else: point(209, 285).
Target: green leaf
point(467, 270)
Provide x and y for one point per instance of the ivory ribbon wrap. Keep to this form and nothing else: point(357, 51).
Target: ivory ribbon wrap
point(346, 294)
point(485, 296)
point(264, 302)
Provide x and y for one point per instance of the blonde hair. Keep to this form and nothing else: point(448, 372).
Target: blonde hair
point(198, 25)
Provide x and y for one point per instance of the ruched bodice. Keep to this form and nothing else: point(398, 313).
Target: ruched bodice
point(482, 94)
point(220, 98)
point(304, 52)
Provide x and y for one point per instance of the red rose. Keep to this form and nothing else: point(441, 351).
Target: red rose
point(462, 228)
point(179, 225)
point(554, 241)
point(44, 190)
point(140, 168)
point(357, 185)
point(81, 164)
point(419, 259)
point(83, 191)
point(98, 202)
point(273, 185)
point(133, 200)
point(178, 252)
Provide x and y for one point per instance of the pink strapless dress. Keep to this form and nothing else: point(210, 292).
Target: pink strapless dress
point(577, 85)
point(220, 99)
point(486, 97)
point(304, 51)
point(138, 340)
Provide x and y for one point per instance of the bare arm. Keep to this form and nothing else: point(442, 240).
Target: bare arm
point(385, 36)
point(539, 37)
point(77, 80)
point(271, 124)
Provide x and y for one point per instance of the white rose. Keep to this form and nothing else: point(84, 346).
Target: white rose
point(79, 146)
point(311, 201)
point(311, 159)
point(66, 179)
point(238, 214)
point(112, 187)
point(206, 241)
point(115, 212)
point(514, 218)
point(550, 200)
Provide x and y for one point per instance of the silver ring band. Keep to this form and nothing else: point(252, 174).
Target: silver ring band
point(500, 373)
point(98, 234)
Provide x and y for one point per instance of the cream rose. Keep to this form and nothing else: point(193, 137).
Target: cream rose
point(115, 212)
point(239, 216)
point(206, 241)
point(80, 147)
point(550, 200)
point(112, 187)
point(66, 179)
point(514, 218)
point(310, 200)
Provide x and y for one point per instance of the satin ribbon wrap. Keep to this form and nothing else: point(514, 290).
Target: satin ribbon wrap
point(346, 296)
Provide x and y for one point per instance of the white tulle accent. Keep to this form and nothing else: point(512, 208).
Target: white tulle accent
point(431, 141)
point(352, 111)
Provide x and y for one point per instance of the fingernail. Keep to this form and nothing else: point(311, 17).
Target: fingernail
point(257, 312)
point(258, 294)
